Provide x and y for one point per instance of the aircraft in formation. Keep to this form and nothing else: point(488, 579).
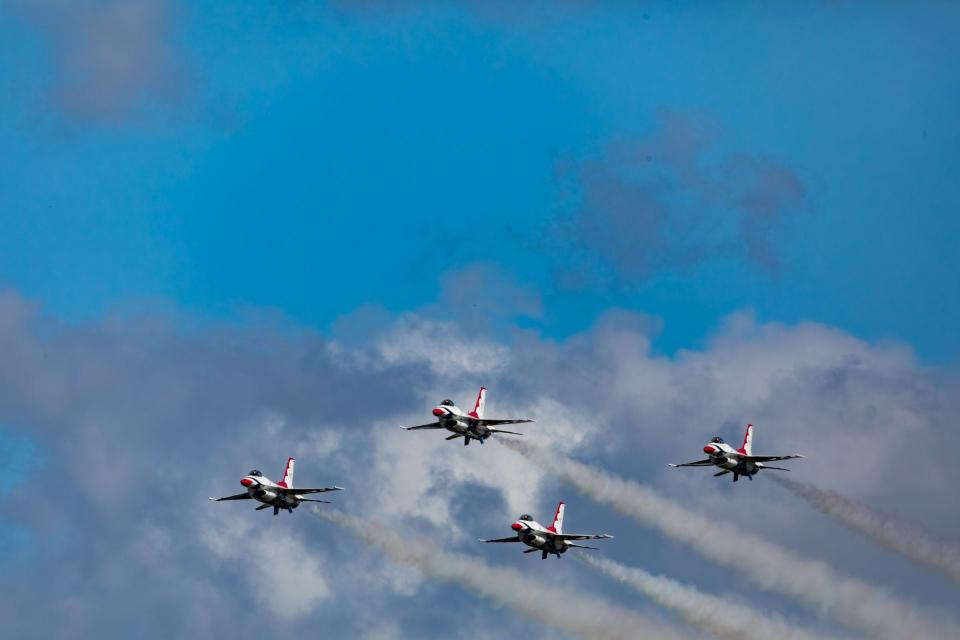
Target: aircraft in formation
point(550, 539)
point(279, 495)
point(469, 426)
point(474, 426)
point(739, 462)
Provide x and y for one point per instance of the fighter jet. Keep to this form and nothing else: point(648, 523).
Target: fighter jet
point(279, 495)
point(739, 462)
point(550, 539)
point(469, 426)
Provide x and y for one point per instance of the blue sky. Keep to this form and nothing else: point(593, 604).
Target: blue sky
point(205, 178)
point(347, 158)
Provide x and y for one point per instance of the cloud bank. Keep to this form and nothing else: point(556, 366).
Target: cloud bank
point(137, 420)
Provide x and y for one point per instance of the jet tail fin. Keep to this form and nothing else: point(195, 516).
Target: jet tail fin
point(747, 448)
point(287, 480)
point(478, 406)
point(557, 526)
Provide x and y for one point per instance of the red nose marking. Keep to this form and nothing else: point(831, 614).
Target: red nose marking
point(246, 482)
point(709, 448)
point(516, 526)
point(438, 412)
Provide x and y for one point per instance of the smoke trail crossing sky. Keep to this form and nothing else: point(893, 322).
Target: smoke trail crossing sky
point(896, 535)
point(721, 617)
point(847, 600)
point(570, 612)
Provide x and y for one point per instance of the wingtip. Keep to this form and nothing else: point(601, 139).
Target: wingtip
point(670, 464)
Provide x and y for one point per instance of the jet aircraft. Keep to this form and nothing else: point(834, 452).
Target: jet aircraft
point(550, 539)
point(739, 462)
point(469, 426)
point(279, 495)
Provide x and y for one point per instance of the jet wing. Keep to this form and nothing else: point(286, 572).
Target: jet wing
point(432, 425)
point(698, 463)
point(490, 423)
point(289, 491)
point(239, 496)
point(495, 430)
point(769, 458)
point(511, 539)
point(582, 536)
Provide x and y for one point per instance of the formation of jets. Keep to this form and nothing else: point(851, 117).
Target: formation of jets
point(473, 425)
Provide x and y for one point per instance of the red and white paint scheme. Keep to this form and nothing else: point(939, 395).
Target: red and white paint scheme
point(469, 426)
point(550, 539)
point(739, 462)
point(279, 495)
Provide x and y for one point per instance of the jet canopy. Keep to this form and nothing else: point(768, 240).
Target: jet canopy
point(446, 403)
point(255, 473)
point(717, 440)
point(526, 517)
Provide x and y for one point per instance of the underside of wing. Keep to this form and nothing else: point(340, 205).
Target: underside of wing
point(294, 491)
point(432, 425)
point(583, 536)
point(698, 463)
point(239, 496)
point(489, 423)
point(770, 458)
point(511, 539)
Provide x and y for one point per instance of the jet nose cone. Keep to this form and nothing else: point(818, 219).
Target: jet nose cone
point(710, 449)
point(246, 482)
point(516, 526)
point(438, 412)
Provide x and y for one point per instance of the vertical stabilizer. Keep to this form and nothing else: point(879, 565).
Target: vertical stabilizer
point(747, 448)
point(481, 400)
point(287, 480)
point(557, 526)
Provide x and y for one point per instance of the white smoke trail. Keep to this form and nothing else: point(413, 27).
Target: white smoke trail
point(849, 601)
point(720, 616)
point(567, 611)
point(908, 540)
